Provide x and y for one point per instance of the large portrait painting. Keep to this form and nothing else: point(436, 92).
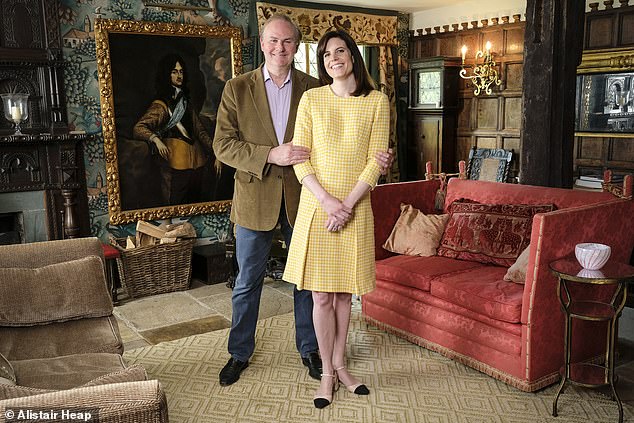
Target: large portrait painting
point(160, 85)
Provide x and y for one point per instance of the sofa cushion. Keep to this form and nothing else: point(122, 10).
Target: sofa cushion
point(415, 233)
point(488, 233)
point(7, 374)
point(17, 391)
point(482, 290)
point(517, 272)
point(67, 371)
point(133, 373)
point(130, 374)
point(99, 334)
point(417, 272)
point(80, 291)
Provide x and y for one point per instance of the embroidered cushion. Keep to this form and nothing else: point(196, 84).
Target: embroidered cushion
point(489, 233)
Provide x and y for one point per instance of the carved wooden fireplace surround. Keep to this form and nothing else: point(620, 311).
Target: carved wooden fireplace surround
point(47, 158)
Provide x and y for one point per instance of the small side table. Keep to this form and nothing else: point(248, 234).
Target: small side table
point(590, 375)
point(111, 254)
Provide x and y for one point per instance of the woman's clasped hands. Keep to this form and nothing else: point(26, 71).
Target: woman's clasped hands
point(338, 213)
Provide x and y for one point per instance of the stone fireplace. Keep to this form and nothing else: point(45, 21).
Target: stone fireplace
point(23, 217)
point(11, 228)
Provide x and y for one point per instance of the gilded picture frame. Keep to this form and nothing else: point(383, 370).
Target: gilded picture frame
point(157, 135)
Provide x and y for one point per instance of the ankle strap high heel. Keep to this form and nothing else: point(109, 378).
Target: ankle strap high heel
point(357, 388)
point(322, 400)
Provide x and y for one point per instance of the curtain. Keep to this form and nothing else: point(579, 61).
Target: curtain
point(364, 28)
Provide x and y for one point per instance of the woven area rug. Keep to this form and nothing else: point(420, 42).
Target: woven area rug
point(408, 384)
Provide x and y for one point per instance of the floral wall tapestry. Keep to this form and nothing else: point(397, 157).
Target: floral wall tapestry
point(364, 28)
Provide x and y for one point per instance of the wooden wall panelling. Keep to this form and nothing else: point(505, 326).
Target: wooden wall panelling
point(514, 41)
point(512, 113)
point(511, 144)
point(464, 145)
point(513, 74)
point(472, 41)
point(621, 153)
point(589, 153)
point(484, 121)
point(487, 113)
point(595, 154)
point(496, 37)
point(608, 48)
point(601, 33)
point(609, 28)
point(448, 46)
point(590, 150)
point(31, 61)
point(626, 35)
point(487, 142)
point(464, 114)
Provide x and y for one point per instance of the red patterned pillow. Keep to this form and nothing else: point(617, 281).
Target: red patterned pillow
point(489, 233)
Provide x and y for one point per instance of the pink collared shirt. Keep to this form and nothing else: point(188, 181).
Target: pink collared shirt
point(279, 99)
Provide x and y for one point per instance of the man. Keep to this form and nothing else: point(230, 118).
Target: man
point(175, 134)
point(255, 125)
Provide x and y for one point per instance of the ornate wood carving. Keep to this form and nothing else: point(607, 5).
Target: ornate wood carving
point(46, 158)
point(611, 60)
point(71, 221)
point(55, 165)
point(19, 167)
point(31, 61)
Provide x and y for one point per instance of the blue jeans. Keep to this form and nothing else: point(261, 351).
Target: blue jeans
point(252, 253)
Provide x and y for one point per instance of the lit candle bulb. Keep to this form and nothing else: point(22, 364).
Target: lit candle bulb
point(463, 50)
point(16, 113)
point(488, 48)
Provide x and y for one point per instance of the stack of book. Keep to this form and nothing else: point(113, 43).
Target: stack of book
point(589, 182)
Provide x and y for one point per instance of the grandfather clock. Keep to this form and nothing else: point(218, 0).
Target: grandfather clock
point(432, 115)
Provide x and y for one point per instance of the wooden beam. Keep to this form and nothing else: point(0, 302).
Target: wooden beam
point(552, 52)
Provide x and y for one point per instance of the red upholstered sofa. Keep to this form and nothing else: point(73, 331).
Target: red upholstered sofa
point(465, 310)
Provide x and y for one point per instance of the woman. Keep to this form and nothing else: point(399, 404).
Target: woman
point(344, 123)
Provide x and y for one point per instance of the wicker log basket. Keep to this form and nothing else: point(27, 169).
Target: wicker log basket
point(154, 269)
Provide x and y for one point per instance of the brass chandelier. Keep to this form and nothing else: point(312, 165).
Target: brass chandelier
point(485, 75)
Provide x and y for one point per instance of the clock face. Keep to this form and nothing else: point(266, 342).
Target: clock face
point(429, 88)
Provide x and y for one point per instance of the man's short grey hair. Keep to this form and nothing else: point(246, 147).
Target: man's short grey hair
point(285, 18)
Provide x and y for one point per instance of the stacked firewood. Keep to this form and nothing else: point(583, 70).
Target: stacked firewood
point(165, 233)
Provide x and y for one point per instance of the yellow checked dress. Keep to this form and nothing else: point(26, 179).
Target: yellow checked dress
point(343, 133)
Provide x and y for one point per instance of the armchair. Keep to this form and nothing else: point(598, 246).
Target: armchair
point(59, 335)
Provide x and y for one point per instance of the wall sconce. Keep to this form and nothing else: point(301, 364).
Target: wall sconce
point(16, 109)
point(484, 75)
